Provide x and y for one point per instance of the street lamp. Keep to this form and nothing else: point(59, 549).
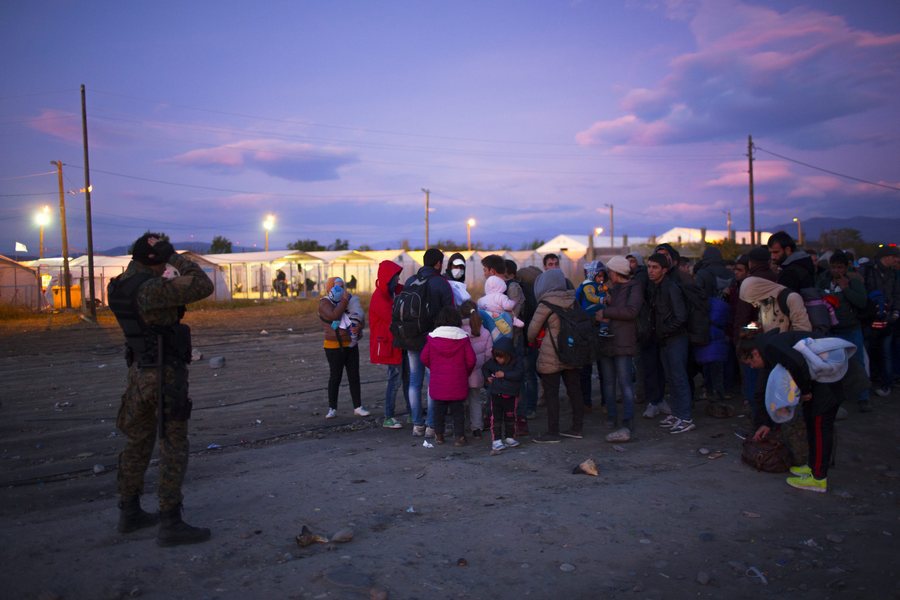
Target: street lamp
point(469, 225)
point(42, 218)
point(268, 224)
point(799, 231)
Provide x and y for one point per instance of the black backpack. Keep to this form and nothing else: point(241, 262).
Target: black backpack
point(821, 313)
point(698, 322)
point(410, 318)
point(577, 344)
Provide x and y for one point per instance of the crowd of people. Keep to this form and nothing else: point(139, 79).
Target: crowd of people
point(664, 332)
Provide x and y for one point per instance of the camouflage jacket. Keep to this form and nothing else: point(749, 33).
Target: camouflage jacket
point(159, 298)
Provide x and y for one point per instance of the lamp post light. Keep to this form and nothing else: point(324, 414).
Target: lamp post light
point(469, 225)
point(799, 230)
point(42, 218)
point(268, 224)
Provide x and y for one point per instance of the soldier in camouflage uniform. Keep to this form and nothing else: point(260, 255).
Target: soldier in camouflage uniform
point(149, 308)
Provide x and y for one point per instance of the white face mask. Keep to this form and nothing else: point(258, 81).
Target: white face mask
point(457, 273)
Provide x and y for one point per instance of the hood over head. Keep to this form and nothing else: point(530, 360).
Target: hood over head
point(387, 269)
point(592, 268)
point(505, 345)
point(552, 280)
point(456, 261)
point(494, 285)
point(712, 254)
point(756, 289)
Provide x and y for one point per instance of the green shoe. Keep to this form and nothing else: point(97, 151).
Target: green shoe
point(391, 423)
point(809, 483)
point(803, 471)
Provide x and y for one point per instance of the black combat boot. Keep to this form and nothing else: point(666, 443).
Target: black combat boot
point(132, 517)
point(175, 532)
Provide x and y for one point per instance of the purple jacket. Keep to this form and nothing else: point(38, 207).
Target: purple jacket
point(448, 353)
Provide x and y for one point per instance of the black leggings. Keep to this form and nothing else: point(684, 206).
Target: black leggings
point(820, 437)
point(457, 410)
point(338, 359)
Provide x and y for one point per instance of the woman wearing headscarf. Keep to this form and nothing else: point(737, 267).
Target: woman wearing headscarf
point(342, 328)
point(456, 276)
point(550, 287)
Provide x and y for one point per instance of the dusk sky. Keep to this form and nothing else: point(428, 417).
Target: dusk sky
point(203, 117)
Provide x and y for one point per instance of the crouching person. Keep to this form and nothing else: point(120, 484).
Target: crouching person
point(815, 374)
point(149, 308)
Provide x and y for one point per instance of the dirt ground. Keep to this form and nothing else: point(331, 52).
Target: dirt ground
point(661, 521)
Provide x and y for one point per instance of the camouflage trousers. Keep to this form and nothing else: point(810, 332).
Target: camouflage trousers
point(138, 420)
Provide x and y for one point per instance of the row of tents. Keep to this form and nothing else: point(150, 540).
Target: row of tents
point(39, 284)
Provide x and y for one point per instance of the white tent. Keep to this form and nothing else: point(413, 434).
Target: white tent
point(19, 284)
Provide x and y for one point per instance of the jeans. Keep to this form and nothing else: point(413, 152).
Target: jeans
point(748, 387)
point(476, 416)
point(654, 375)
point(416, 382)
point(618, 369)
point(674, 357)
point(390, 393)
point(338, 359)
point(855, 337)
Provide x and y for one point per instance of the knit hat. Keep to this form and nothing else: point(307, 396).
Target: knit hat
point(620, 265)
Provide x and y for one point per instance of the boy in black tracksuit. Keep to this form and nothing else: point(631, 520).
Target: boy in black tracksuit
point(503, 374)
point(820, 401)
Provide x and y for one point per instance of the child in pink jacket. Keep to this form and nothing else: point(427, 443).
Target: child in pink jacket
point(449, 356)
point(482, 345)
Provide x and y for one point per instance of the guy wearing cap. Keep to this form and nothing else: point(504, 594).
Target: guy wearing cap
point(149, 309)
point(820, 398)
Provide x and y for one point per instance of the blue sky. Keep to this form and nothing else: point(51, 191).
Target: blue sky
point(528, 116)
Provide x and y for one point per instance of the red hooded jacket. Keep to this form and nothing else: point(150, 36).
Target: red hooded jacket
point(381, 340)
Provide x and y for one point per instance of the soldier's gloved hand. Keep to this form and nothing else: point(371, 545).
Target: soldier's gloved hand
point(164, 251)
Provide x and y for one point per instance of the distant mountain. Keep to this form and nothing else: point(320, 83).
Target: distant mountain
point(872, 229)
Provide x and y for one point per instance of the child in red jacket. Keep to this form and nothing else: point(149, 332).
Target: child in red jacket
point(449, 355)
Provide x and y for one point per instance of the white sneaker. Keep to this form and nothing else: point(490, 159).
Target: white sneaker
point(498, 445)
point(429, 432)
point(651, 411)
point(332, 413)
point(663, 407)
point(510, 443)
point(359, 411)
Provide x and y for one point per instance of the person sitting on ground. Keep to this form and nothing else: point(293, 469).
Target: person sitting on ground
point(449, 355)
point(503, 374)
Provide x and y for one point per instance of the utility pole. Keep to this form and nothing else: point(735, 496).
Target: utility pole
point(62, 228)
point(427, 202)
point(87, 208)
point(752, 213)
point(728, 214)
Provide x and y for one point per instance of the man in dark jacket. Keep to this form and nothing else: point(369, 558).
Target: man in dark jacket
point(711, 274)
point(797, 268)
point(437, 295)
point(668, 318)
point(883, 287)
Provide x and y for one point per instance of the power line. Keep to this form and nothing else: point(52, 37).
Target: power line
point(830, 172)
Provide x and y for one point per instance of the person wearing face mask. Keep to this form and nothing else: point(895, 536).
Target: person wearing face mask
point(456, 277)
point(342, 328)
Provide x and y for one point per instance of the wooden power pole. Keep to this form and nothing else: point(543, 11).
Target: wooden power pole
point(752, 213)
point(62, 229)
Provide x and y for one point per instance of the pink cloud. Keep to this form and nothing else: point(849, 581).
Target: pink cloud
point(56, 123)
point(735, 173)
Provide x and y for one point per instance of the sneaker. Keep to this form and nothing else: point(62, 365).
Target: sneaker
point(391, 423)
point(359, 411)
point(418, 430)
point(682, 426)
point(651, 411)
point(841, 414)
point(810, 484)
point(803, 471)
point(332, 413)
point(668, 422)
point(883, 391)
point(571, 433)
point(498, 445)
point(429, 432)
point(547, 438)
point(510, 443)
point(619, 436)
